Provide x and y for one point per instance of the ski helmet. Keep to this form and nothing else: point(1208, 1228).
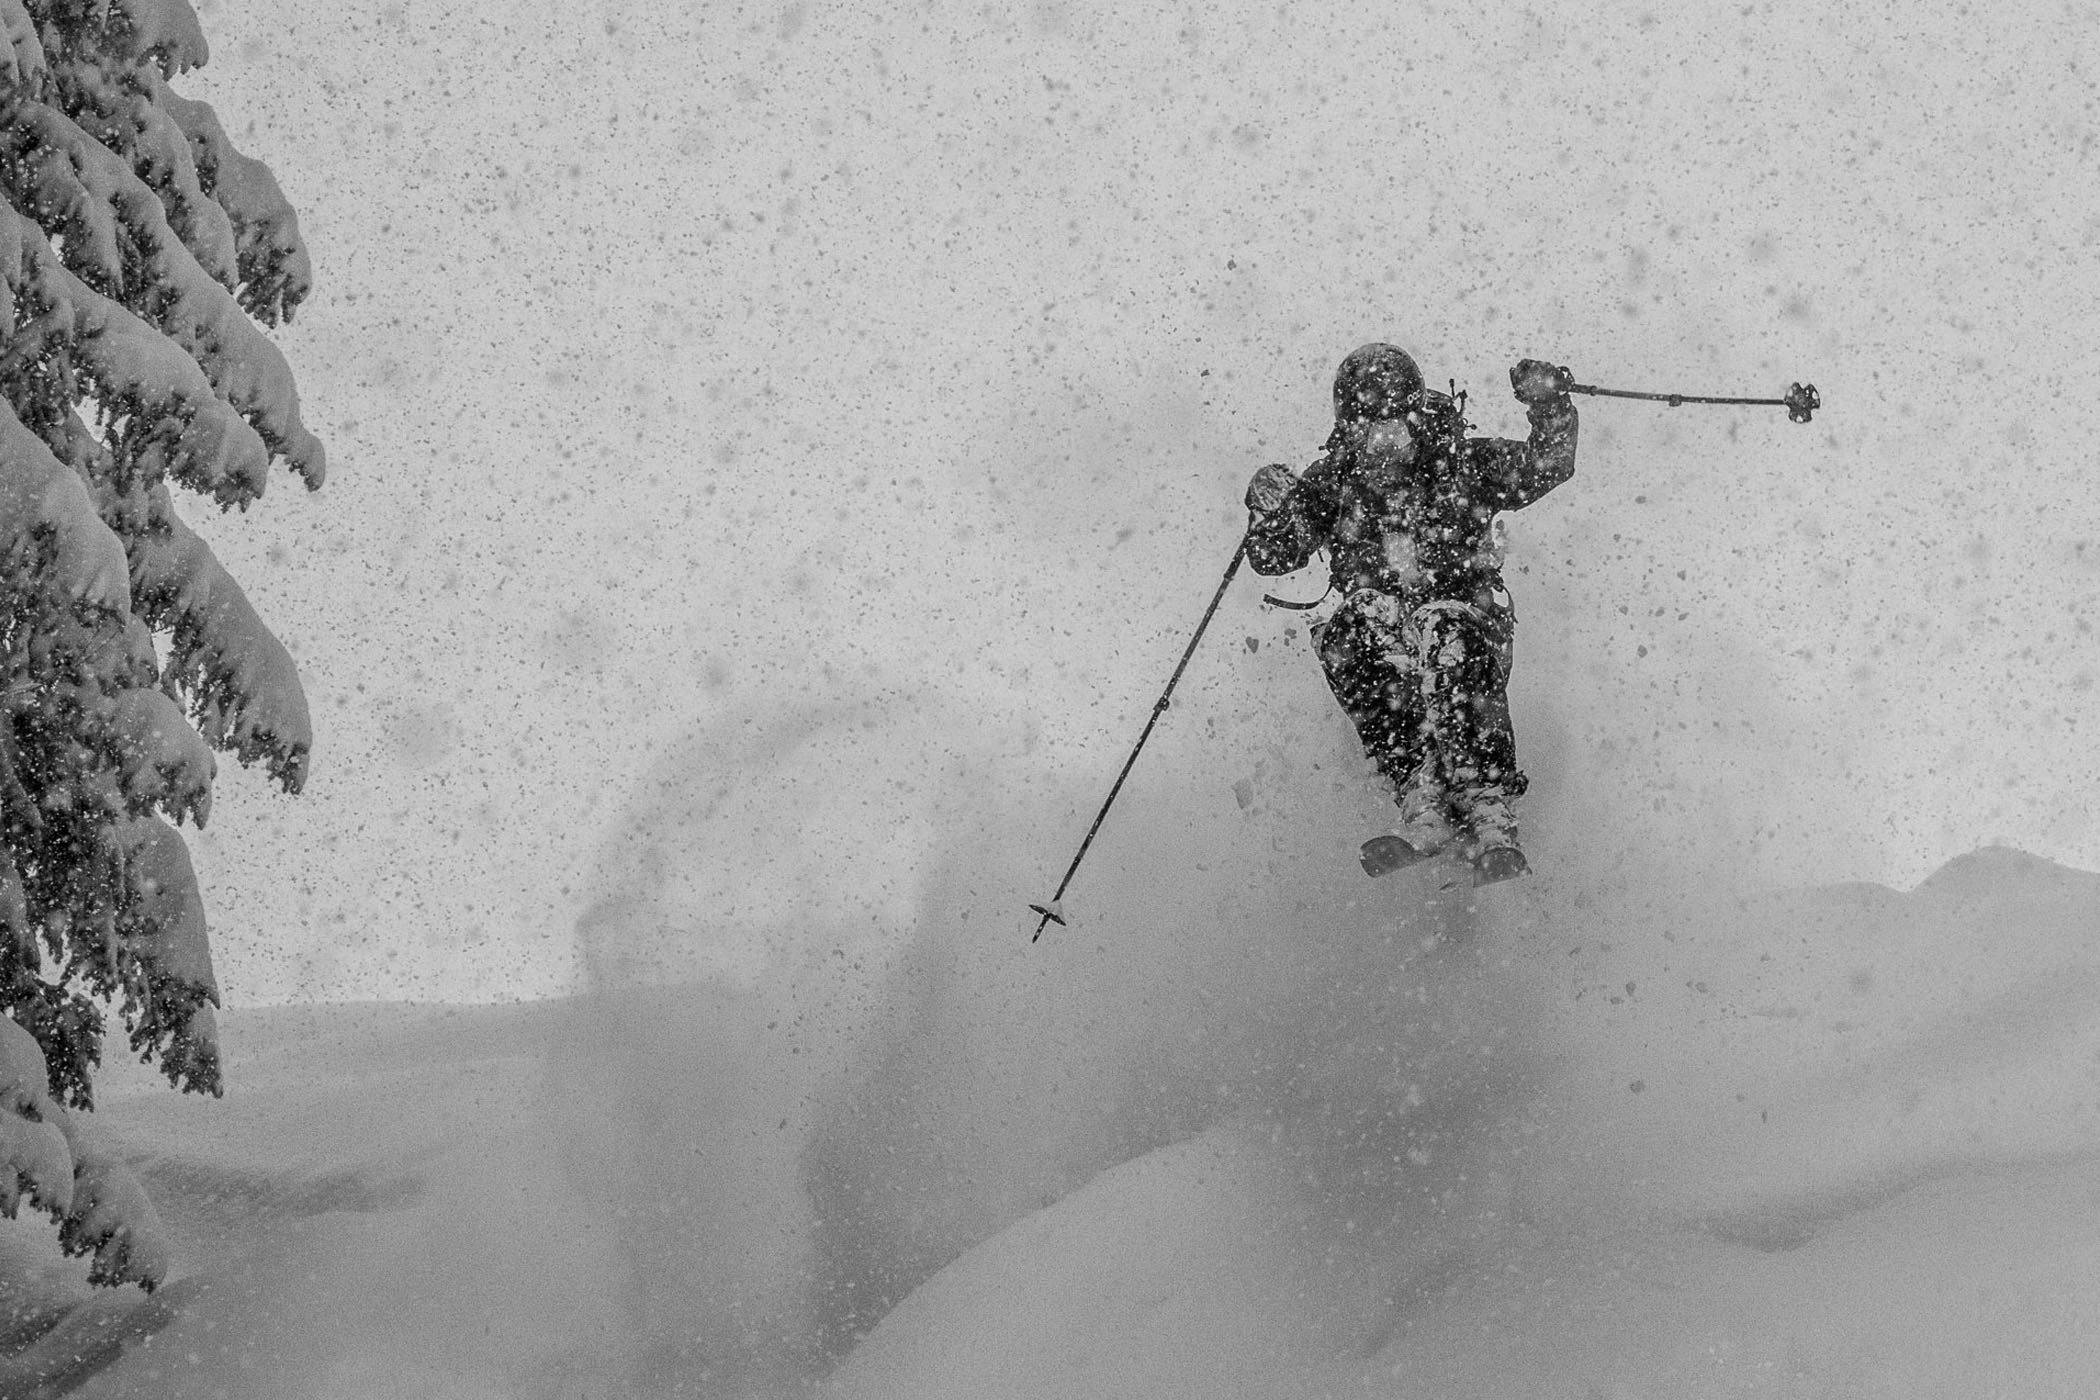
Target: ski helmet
point(1376, 381)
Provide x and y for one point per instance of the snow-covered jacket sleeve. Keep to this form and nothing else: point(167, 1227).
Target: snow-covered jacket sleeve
point(1509, 475)
point(1285, 539)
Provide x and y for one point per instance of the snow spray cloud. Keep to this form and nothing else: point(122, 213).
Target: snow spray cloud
point(827, 1060)
point(821, 1058)
point(749, 902)
point(1225, 962)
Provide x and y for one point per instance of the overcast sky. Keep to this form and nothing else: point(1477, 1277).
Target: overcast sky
point(684, 368)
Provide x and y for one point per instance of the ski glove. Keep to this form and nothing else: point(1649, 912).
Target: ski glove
point(1535, 381)
point(1268, 488)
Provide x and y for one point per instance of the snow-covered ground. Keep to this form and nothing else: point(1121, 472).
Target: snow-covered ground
point(1837, 1143)
point(1550, 1139)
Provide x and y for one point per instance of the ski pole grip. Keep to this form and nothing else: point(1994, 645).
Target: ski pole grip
point(1539, 381)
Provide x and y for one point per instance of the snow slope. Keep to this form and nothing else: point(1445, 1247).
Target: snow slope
point(1544, 1141)
point(378, 1208)
point(1172, 1276)
point(1839, 1142)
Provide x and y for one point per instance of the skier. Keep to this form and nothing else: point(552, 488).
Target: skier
point(1419, 651)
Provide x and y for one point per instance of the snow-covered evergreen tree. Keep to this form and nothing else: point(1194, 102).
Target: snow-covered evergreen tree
point(138, 252)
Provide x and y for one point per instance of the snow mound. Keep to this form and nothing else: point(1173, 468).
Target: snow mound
point(1834, 1141)
point(1546, 1140)
point(1193, 1272)
point(380, 1206)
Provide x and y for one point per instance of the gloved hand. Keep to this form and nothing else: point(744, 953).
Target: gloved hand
point(1269, 486)
point(1535, 381)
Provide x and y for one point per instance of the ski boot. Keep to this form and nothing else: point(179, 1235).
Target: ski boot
point(1425, 830)
point(1498, 863)
point(1382, 855)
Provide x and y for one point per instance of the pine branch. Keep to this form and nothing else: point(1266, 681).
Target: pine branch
point(275, 273)
point(243, 685)
point(117, 241)
point(50, 535)
point(23, 62)
point(48, 1156)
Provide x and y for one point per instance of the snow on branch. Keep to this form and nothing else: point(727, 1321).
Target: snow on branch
point(128, 120)
point(243, 685)
point(113, 1220)
point(67, 1026)
point(23, 63)
point(275, 272)
point(170, 991)
point(17, 933)
point(89, 729)
point(164, 33)
point(116, 239)
point(49, 1157)
point(48, 526)
point(35, 1159)
point(162, 762)
point(136, 374)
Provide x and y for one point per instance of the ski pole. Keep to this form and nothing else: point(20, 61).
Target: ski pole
point(1050, 912)
point(1800, 402)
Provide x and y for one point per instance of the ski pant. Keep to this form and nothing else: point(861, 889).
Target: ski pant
point(1426, 688)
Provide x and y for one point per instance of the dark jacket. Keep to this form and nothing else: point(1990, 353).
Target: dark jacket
point(1429, 539)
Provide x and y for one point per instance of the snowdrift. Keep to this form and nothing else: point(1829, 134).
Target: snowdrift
point(1546, 1140)
point(1838, 1141)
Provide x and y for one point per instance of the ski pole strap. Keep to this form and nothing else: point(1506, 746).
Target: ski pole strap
point(1275, 602)
point(1800, 403)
